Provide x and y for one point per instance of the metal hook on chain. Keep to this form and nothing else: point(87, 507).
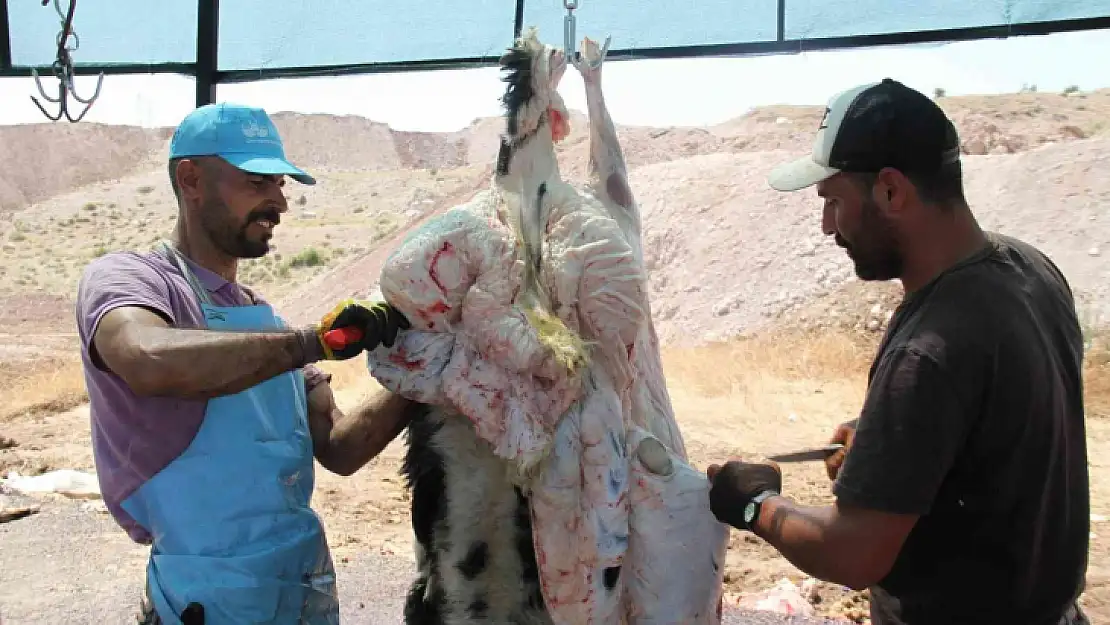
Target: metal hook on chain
point(62, 69)
point(569, 38)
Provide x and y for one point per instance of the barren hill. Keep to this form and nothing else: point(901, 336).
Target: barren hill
point(726, 251)
point(43, 160)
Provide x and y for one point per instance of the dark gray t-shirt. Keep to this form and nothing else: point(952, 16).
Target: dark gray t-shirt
point(974, 420)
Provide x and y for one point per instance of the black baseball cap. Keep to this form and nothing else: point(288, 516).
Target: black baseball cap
point(872, 126)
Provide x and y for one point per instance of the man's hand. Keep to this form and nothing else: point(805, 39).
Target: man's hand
point(844, 434)
point(736, 484)
point(377, 322)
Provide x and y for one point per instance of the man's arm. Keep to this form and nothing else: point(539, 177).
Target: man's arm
point(846, 545)
point(910, 430)
point(156, 359)
point(344, 443)
point(126, 320)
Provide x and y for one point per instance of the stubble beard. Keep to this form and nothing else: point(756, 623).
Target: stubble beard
point(231, 238)
point(877, 256)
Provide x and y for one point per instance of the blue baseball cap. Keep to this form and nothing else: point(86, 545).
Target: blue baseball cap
point(242, 135)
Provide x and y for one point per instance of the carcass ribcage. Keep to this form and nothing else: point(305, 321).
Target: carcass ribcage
point(616, 536)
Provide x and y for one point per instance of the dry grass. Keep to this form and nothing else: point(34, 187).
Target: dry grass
point(1096, 373)
point(769, 392)
point(49, 386)
point(744, 367)
point(742, 364)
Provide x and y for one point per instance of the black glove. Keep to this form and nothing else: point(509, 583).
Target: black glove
point(736, 484)
point(377, 323)
point(193, 614)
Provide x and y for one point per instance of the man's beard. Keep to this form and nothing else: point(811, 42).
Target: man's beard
point(231, 238)
point(876, 252)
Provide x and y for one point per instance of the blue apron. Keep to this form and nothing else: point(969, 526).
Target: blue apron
point(230, 518)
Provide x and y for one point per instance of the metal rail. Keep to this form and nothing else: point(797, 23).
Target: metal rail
point(208, 76)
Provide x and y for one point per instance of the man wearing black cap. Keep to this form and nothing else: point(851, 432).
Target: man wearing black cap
point(962, 495)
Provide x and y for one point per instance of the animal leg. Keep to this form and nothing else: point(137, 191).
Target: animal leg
point(608, 172)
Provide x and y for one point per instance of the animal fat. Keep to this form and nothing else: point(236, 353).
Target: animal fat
point(621, 523)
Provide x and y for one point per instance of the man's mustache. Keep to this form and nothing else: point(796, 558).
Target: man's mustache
point(268, 213)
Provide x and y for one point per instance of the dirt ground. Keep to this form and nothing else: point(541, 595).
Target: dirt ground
point(747, 397)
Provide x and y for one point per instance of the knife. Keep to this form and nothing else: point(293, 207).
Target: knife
point(806, 455)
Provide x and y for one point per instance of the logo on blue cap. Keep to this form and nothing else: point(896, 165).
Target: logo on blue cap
point(242, 135)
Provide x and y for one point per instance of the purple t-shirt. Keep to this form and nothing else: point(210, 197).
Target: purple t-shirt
point(134, 437)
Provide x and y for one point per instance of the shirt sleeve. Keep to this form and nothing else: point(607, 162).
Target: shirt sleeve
point(115, 280)
point(910, 430)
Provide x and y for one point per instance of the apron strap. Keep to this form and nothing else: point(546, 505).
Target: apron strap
point(175, 257)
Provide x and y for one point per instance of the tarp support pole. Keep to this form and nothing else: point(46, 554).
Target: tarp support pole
point(208, 46)
point(782, 21)
point(518, 20)
point(5, 38)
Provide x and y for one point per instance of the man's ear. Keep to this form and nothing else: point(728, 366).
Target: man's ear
point(892, 191)
point(189, 177)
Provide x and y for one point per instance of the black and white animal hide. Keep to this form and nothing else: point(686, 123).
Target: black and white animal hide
point(473, 534)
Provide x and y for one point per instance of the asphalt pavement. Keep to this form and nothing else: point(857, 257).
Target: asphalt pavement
point(69, 564)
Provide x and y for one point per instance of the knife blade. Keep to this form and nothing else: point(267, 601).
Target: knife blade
point(807, 455)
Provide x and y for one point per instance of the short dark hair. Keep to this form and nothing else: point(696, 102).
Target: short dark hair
point(202, 161)
point(942, 187)
point(172, 168)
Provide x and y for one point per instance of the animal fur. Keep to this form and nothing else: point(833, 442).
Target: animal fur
point(474, 552)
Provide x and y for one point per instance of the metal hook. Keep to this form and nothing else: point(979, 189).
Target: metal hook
point(58, 9)
point(63, 70)
point(604, 51)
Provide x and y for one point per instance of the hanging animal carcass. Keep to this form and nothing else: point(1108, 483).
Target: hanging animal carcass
point(549, 478)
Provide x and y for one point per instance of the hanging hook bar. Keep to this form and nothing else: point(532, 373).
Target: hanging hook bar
point(568, 30)
point(62, 69)
point(569, 26)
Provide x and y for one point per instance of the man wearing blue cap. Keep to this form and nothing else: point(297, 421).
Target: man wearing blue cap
point(206, 410)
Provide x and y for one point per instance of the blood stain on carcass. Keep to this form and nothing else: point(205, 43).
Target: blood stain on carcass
point(425, 317)
point(400, 360)
point(433, 270)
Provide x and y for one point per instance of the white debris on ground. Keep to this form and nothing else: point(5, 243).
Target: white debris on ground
point(1097, 518)
point(95, 505)
point(67, 482)
point(785, 597)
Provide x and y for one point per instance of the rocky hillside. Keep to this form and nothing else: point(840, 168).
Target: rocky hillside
point(726, 252)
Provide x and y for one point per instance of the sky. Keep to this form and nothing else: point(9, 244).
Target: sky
point(656, 92)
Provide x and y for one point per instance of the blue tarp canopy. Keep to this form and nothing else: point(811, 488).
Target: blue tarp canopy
point(243, 40)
